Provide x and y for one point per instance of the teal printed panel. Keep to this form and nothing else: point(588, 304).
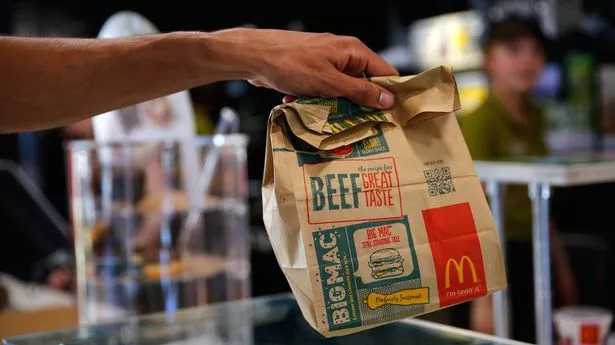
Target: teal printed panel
point(336, 275)
point(369, 273)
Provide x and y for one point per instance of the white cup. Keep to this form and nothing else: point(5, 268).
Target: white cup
point(583, 325)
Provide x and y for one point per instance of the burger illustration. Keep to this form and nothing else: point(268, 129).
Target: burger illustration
point(338, 152)
point(386, 263)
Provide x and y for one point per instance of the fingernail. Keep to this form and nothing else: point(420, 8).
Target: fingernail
point(386, 99)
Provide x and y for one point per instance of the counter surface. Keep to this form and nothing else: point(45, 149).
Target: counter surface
point(556, 171)
point(270, 320)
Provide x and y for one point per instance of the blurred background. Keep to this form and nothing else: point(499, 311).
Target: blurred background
point(577, 89)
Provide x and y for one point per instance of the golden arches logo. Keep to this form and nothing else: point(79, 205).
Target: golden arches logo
point(590, 334)
point(459, 267)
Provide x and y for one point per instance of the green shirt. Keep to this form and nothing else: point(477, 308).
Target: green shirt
point(492, 133)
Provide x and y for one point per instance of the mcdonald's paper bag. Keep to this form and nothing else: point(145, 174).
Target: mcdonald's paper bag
point(376, 216)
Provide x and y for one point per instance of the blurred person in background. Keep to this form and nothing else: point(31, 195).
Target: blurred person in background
point(508, 124)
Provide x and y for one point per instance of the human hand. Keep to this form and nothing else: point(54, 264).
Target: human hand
point(311, 64)
point(60, 278)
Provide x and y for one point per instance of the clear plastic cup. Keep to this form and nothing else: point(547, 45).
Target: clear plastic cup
point(583, 325)
point(129, 206)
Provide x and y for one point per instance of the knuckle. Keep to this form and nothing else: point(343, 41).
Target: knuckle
point(351, 44)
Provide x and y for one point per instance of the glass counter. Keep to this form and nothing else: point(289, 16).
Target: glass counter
point(269, 320)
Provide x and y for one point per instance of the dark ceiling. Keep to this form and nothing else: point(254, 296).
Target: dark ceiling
point(338, 16)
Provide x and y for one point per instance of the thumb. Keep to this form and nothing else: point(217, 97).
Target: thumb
point(364, 92)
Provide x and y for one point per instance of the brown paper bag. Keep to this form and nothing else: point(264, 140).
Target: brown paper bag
point(376, 216)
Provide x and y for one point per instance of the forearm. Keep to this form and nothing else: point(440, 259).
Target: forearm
point(52, 82)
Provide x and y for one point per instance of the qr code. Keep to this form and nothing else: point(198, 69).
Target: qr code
point(439, 181)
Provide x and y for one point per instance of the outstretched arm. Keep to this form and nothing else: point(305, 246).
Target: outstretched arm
point(52, 82)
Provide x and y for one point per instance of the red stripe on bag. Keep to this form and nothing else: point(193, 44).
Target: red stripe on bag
point(456, 251)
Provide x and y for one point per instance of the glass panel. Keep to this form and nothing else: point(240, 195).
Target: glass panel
point(148, 242)
point(272, 320)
